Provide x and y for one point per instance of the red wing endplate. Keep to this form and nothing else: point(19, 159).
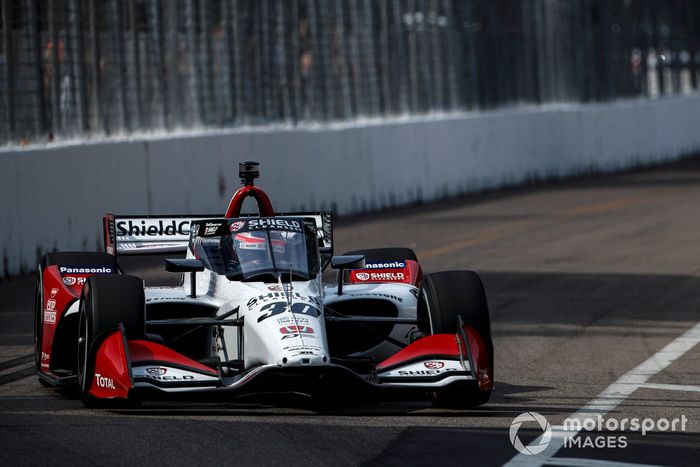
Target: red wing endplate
point(439, 360)
point(121, 366)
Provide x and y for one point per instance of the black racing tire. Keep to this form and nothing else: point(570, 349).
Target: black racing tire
point(443, 297)
point(73, 258)
point(38, 322)
point(106, 301)
point(385, 254)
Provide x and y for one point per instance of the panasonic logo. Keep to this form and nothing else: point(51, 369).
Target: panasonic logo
point(73, 270)
point(392, 265)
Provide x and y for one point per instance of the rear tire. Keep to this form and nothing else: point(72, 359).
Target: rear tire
point(106, 301)
point(443, 297)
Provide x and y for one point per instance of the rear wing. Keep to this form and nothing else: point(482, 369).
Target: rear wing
point(145, 235)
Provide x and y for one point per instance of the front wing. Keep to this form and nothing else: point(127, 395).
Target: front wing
point(123, 368)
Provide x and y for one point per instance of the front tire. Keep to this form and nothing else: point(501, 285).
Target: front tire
point(107, 301)
point(54, 259)
point(444, 296)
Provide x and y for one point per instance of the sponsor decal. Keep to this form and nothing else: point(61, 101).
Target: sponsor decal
point(372, 294)
point(295, 331)
point(44, 356)
point(104, 382)
point(166, 299)
point(153, 229)
point(392, 265)
point(156, 371)
point(431, 372)
point(54, 292)
point(276, 288)
point(159, 373)
point(282, 296)
point(50, 304)
point(276, 308)
point(236, 226)
point(434, 365)
point(49, 317)
point(292, 320)
point(380, 276)
point(85, 270)
point(210, 229)
point(69, 280)
point(285, 224)
point(302, 349)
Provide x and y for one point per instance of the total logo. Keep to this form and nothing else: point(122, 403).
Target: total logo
point(104, 382)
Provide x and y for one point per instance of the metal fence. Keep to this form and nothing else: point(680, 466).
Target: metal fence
point(86, 68)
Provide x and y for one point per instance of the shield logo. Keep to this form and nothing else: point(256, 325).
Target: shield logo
point(236, 226)
point(363, 276)
point(156, 371)
point(433, 365)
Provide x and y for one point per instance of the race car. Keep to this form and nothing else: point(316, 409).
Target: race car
point(252, 313)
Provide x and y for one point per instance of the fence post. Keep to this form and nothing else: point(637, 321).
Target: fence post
point(34, 40)
point(9, 91)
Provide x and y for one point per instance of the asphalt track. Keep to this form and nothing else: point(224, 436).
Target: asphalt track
point(586, 280)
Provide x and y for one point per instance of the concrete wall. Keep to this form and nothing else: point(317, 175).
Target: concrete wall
point(53, 197)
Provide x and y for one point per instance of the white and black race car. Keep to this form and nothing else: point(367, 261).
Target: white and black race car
point(252, 313)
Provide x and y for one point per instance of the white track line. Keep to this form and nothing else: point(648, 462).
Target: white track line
point(671, 387)
point(575, 461)
point(610, 398)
